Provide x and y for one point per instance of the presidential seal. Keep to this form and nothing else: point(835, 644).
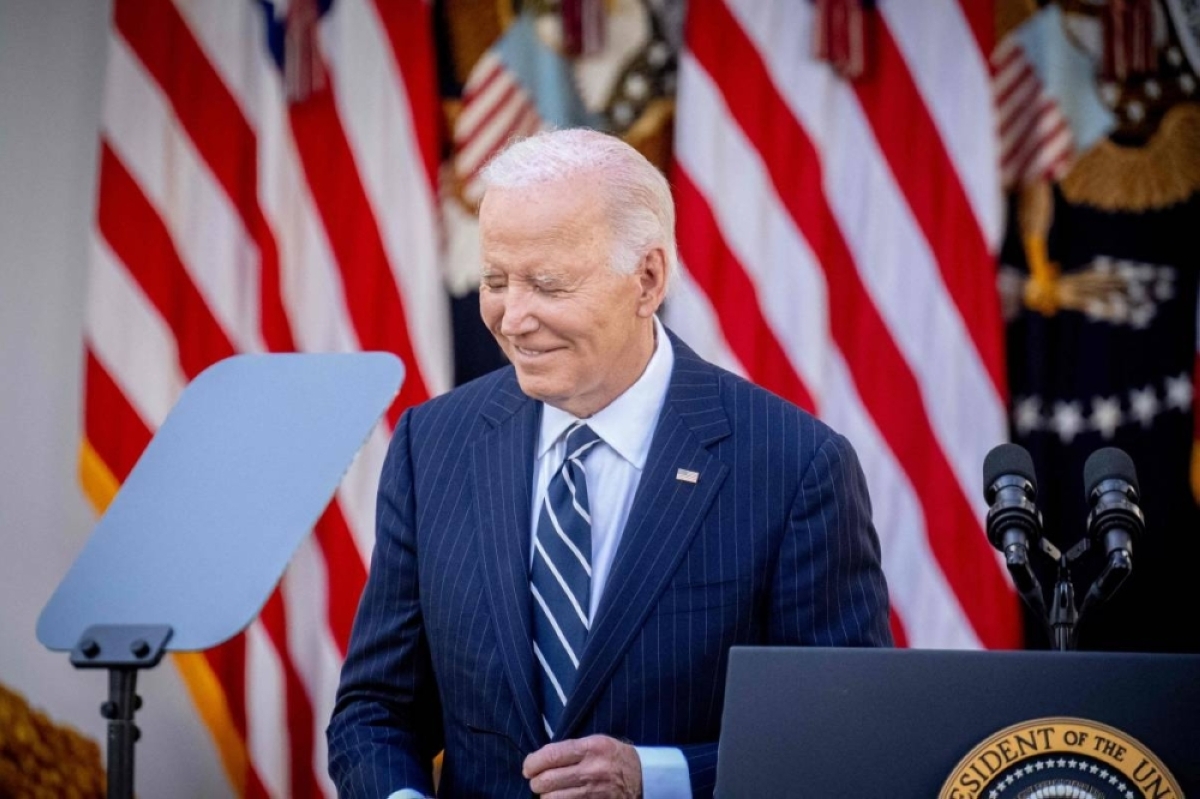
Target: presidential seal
point(1060, 758)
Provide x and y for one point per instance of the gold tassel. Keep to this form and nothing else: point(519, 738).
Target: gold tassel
point(1196, 467)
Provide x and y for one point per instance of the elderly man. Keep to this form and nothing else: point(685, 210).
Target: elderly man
point(567, 548)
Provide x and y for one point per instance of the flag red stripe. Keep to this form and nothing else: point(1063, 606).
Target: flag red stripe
point(345, 572)
point(518, 123)
point(1029, 86)
point(132, 227)
point(463, 136)
point(372, 296)
point(1026, 125)
point(884, 380)
point(299, 709)
point(717, 270)
point(408, 25)
point(479, 86)
point(210, 115)
point(899, 636)
point(113, 428)
point(1007, 52)
point(913, 147)
point(1034, 147)
point(228, 663)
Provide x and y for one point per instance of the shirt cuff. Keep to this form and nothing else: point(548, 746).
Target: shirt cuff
point(409, 793)
point(664, 773)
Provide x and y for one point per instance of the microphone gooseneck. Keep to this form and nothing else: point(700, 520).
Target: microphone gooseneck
point(1115, 520)
point(1014, 523)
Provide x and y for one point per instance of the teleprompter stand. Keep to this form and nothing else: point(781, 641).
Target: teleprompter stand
point(192, 545)
point(123, 649)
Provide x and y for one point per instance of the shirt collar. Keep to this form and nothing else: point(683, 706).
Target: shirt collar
point(627, 423)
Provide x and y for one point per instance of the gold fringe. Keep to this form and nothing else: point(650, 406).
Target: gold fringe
point(1196, 464)
point(100, 486)
point(98, 482)
point(1135, 179)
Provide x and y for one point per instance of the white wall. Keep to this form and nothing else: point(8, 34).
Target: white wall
point(51, 77)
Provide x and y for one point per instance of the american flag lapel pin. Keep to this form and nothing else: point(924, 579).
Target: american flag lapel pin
point(687, 476)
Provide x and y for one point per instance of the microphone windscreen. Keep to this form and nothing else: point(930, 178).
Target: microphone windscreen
point(1105, 464)
point(1007, 459)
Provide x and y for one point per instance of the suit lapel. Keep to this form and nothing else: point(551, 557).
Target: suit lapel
point(665, 515)
point(503, 469)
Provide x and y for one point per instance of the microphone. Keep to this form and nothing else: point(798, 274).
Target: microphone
point(1009, 488)
point(1014, 523)
point(1111, 489)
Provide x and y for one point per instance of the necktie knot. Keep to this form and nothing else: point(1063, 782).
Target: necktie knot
point(580, 440)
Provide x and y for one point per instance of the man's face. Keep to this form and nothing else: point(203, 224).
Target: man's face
point(577, 332)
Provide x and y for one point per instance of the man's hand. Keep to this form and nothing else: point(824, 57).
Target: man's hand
point(596, 766)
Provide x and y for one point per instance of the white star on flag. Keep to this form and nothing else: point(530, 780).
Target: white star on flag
point(1068, 420)
point(1028, 415)
point(1106, 415)
point(1144, 405)
point(1179, 392)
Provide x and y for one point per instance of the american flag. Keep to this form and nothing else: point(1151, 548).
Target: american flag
point(266, 184)
point(839, 244)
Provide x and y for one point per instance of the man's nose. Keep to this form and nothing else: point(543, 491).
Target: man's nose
point(518, 316)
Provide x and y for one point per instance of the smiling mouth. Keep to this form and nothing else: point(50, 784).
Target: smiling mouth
point(527, 353)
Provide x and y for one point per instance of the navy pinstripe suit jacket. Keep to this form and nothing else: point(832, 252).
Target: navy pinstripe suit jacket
point(772, 545)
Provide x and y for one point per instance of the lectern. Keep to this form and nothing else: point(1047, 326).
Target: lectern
point(829, 723)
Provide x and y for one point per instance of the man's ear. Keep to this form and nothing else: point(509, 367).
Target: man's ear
point(652, 282)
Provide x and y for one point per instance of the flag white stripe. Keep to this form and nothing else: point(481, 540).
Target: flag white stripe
point(474, 151)
point(207, 232)
point(267, 732)
point(130, 338)
point(891, 255)
point(726, 168)
point(311, 647)
point(375, 112)
point(958, 98)
point(357, 492)
point(689, 308)
point(916, 583)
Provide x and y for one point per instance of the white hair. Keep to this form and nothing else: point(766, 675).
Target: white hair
point(640, 207)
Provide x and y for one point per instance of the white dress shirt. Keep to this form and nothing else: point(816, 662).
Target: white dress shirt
point(614, 468)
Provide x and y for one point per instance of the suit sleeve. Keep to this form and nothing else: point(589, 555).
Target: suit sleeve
point(828, 588)
point(386, 725)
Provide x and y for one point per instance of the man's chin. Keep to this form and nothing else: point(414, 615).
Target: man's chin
point(535, 386)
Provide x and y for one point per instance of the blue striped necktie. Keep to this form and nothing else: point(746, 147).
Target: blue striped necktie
point(561, 577)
